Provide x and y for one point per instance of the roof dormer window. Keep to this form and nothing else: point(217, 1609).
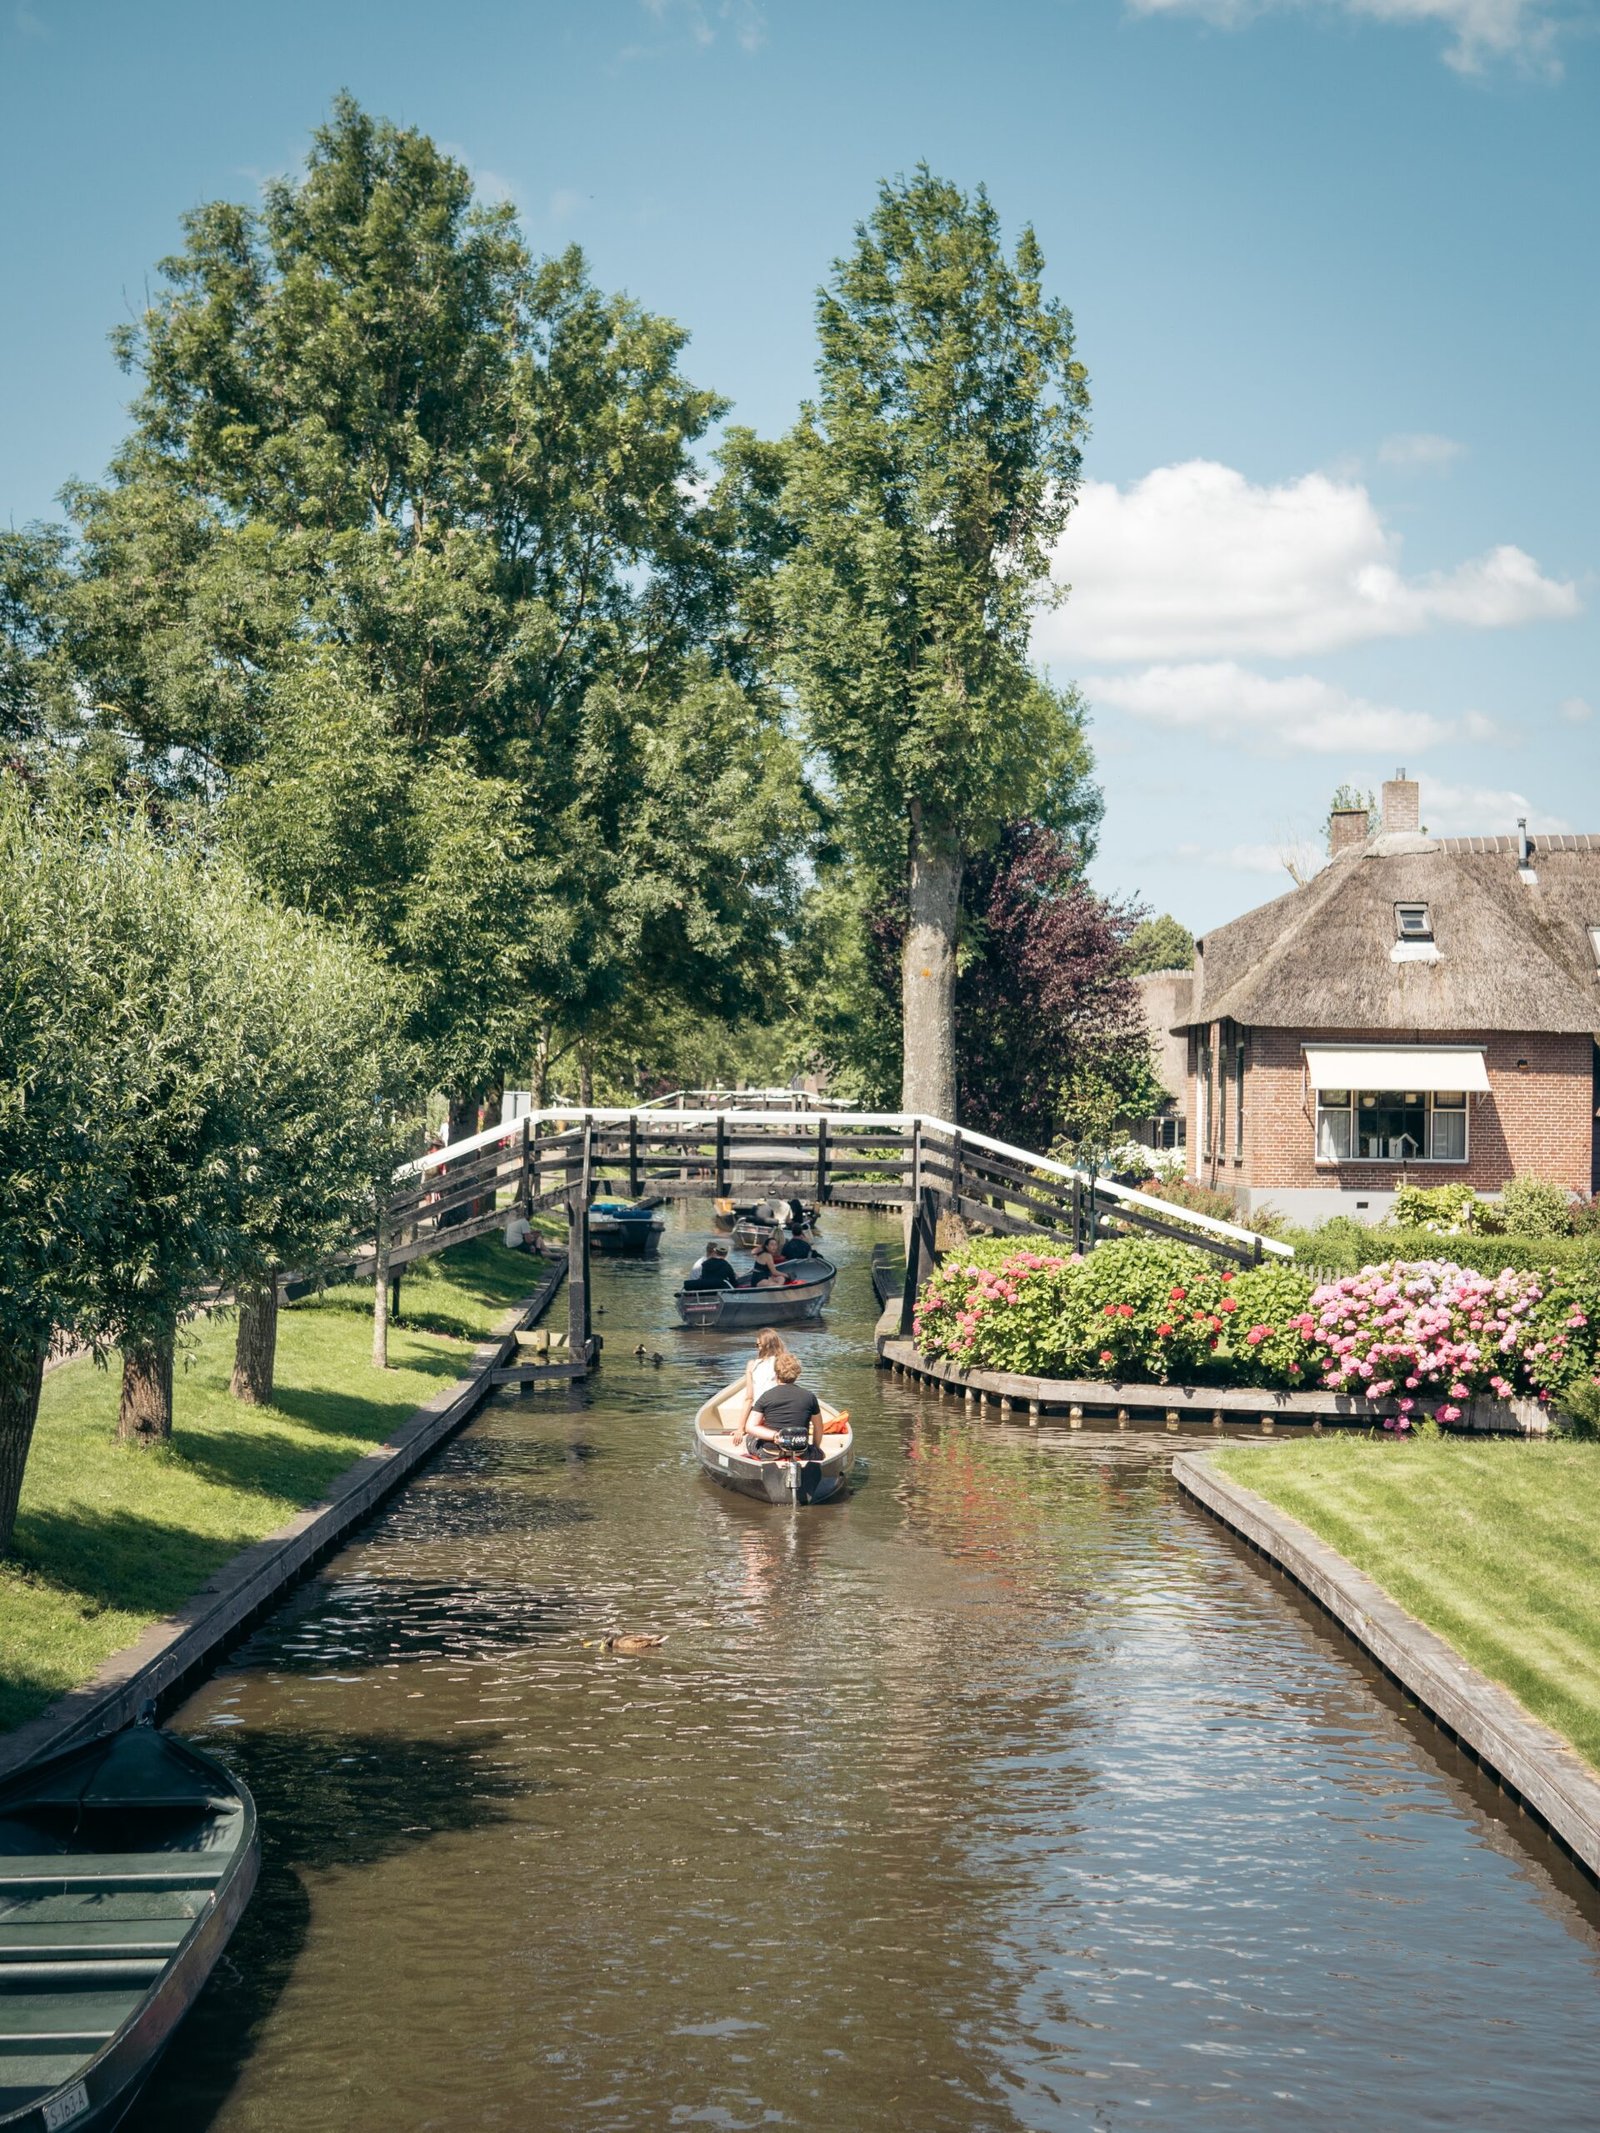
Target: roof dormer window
point(1594, 943)
point(1413, 922)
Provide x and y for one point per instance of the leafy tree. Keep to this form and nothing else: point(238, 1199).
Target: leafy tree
point(1159, 944)
point(926, 487)
point(1048, 1025)
point(373, 433)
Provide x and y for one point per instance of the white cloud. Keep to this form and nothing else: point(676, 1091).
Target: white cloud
point(1576, 711)
point(1480, 30)
point(1294, 714)
point(1194, 561)
point(1481, 811)
point(745, 21)
point(1420, 451)
point(1297, 857)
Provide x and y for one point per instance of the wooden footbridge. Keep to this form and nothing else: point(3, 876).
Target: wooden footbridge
point(561, 1158)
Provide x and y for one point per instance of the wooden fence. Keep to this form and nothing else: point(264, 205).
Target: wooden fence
point(926, 1166)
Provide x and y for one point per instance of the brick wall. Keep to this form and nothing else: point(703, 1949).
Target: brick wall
point(1537, 1120)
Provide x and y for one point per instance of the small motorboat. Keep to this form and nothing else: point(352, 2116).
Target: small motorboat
point(751, 1220)
point(806, 1289)
point(124, 1868)
point(624, 1227)
point(812, 1478)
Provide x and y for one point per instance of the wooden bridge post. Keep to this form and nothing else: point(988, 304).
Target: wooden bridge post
point(524, 1198)
point(922, 1242)
point(722, 1155)
point(578, 1318)
point(633, 1155)
point(822, 1158)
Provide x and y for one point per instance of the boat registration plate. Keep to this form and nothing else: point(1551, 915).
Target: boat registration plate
point(63, 2109)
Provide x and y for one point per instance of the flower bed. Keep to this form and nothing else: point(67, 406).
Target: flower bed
point(1426, 1337)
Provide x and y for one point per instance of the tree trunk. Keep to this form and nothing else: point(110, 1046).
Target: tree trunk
point(380, 1297)
point(21, 1373)
point(255, 1348)
point(928, 978)
point(463, 1117)
point(145, 1416)
point(585, 1081)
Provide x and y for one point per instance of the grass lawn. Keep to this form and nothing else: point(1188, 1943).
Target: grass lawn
point(110, 1537)
point(1496, 1545)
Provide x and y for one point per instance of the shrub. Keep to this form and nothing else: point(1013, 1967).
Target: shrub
point(1344, 1246)
point(1137, 1307)
point(1533, 1207)
point(1447, 1210)
point(1433, 1331)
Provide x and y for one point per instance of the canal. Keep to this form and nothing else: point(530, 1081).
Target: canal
point(1006, 1794)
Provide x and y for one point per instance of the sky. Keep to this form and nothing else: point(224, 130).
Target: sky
point(1332, 265)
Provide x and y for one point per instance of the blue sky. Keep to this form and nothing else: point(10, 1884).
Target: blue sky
point(1333, 266)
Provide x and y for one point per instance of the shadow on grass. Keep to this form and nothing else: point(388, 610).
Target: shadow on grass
point(338, 1411)
point(342, 1800)
point(119, 1559)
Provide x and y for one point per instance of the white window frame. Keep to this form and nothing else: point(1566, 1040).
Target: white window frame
point(1421, 931)
point(1433, 1103)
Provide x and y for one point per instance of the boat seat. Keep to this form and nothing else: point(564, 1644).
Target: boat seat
point(62, 2021)
point(144, 1911)
point(28, 1940)
point(44, 1871)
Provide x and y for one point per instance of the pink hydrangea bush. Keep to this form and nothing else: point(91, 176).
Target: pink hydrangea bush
point(1430, 1336)
point(1421, 1339)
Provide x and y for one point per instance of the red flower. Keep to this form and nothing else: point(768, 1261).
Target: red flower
point(1216, 1327)
point(1199, 1317)
point(1164, 1332)
point(1230, 1277)
point(1106, 1356)
point(1110, 1311)
point(1227, 1304)
point(1124, 1310)
point(1177, 1295)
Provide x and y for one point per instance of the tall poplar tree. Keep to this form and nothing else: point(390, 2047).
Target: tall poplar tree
point(927, 484)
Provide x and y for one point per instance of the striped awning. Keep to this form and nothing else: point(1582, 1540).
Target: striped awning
point(1396, 1066)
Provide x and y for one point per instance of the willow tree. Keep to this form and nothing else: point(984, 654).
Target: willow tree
point(928, 482)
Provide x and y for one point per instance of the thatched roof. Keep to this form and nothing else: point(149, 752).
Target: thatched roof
point(1511, 954)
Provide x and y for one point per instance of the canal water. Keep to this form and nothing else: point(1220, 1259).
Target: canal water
point(1006, 1794)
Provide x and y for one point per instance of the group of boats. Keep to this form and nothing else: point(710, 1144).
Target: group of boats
point(126, 1864)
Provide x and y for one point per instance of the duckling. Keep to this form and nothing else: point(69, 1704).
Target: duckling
point(658, 1359)
point(642, 1352)
point(627, 1644)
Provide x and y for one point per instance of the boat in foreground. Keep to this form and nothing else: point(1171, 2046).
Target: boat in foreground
point(124, 1868)
point(623, 1227)
point(812, 1479)
point(801, 1297)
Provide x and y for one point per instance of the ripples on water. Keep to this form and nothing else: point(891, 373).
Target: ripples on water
point(1004, 1795)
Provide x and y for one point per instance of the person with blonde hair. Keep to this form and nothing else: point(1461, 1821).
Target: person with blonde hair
point(760, 1374)
point(788, 1416)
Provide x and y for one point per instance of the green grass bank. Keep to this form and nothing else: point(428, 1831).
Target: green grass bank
point(1494, 1545)
point(110, 1538)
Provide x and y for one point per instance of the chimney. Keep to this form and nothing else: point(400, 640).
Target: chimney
point(1402, 803)
point(1347, 827)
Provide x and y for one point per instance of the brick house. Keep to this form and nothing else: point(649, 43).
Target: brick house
point(1425, 1009)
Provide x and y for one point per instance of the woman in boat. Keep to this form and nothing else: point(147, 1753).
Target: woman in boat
point(760, 1374)
point(765, 1271)
point(788, 1418)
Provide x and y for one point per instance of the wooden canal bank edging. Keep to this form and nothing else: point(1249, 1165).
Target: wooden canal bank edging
point(172, 1654)
point(1178, 1406)
point(1527, 1757)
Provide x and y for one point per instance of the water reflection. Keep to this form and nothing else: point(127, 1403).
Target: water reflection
point(1002, 1795)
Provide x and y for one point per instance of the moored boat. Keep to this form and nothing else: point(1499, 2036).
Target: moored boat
point(750, 1220)
point(800, 1297)
point(124, 1868)
point(813, 1478)
point(624, 1227)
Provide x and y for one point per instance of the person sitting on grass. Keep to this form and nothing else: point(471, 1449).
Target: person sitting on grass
point(786, 1419)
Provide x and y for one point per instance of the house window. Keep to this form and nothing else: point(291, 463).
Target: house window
point(1413, 922)
point(1238, 1104)
point(1594, 943)
point(1391, 1126)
